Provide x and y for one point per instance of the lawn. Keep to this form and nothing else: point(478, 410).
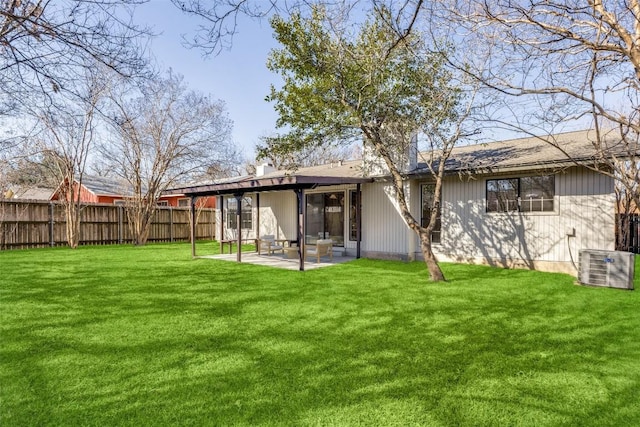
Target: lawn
point(146, 336)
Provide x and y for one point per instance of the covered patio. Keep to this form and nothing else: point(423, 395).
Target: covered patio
point(279, 181)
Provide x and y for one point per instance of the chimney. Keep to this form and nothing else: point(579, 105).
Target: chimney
point(264, 169)
point(406, 160)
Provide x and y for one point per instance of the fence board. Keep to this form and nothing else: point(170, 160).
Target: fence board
point(628, 233)
point(33, 224)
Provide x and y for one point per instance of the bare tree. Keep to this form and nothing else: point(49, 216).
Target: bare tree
point(63, 146)
point(163, 135)
point(46, 45)
point(565, 62)
point(306, 156)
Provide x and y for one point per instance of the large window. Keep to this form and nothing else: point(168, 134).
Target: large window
point(325, 217)
point(428, 199)
point(246, 217)
point(525, 194)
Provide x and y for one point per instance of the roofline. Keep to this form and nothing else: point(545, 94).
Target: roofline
point(279, 183)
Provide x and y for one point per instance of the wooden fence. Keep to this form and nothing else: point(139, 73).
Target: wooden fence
point(628, 233)
point(33, 224)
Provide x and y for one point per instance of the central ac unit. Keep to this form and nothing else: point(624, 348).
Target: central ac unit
point(613, 269)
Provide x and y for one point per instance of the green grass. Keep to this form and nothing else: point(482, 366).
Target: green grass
point(147, 336)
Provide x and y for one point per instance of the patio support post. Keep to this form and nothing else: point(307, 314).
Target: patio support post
point(221, 236)
point(257, 219)
point(358, 219)
point(192, 215)
point(239, 225)
point(301, 231)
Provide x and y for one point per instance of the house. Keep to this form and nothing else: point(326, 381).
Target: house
point(515, 203)
point(96, 189)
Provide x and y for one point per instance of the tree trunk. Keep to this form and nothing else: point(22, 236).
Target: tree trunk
point(72, 224)
point(435, 273)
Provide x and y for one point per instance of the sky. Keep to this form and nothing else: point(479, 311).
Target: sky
point(238, 76)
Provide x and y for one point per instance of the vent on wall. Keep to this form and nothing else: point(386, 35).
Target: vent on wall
point(612, 269)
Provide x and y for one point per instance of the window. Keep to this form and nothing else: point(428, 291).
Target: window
point(184, 203)
point(428, 199)
point(325, 217)
point(246, 218)
point(163, 203)
point(526, 194)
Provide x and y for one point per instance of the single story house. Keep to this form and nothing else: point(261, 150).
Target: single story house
point(516, 203)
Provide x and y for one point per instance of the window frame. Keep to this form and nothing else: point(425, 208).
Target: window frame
point(519, 199)
point(246, 219)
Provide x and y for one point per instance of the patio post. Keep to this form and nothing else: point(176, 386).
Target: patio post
point(221, 236)
point(192, 215)
point(239, 197)
point(358, 219)
point(301, 229)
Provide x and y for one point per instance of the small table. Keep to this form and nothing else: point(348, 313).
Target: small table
point(291, 252)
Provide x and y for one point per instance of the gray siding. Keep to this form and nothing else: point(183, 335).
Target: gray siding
point(584, 201)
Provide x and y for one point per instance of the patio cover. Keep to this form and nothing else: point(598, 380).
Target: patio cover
point(277, 181)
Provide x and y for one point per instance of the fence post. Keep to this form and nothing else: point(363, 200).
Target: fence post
point(120, 231)
point(171, 224)
point(52, 242)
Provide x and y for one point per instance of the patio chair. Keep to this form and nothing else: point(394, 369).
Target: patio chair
point(268, 243)
point(324, 247)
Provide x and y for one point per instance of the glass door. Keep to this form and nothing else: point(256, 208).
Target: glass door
point(325, 217)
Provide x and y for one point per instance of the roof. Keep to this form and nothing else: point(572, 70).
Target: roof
point(30, 193)
point(103, 186)
point(565, 149)
point(529, 153)
point(304, 178)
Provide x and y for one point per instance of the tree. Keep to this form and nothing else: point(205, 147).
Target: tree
point(48, 45)
point(63, 146)
point(568, 62)
point(320, 155)
point(380, 84)
point(163, 135)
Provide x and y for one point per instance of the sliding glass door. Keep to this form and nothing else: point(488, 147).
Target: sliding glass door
point(325, 217)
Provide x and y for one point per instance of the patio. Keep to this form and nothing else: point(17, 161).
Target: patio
point(280, 261)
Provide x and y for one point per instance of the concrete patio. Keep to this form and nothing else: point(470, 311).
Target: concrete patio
point(280, 261)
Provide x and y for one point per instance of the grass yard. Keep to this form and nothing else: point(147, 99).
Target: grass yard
point(146, 336)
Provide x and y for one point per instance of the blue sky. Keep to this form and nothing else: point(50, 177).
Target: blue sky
point(238, 76)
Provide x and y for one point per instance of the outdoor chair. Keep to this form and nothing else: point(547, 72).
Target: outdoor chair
point(268, 243)
point(324, 247)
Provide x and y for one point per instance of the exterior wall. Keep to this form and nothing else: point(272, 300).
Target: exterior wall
point(384, 233)
point(278, 212)
point(584, 202)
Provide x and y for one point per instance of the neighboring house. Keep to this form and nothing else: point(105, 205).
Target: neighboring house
point(516, 203)
point(95, 189)
point(28, 193)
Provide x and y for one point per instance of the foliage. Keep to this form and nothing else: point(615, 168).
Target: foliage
point(377, 85)
point(147, 336)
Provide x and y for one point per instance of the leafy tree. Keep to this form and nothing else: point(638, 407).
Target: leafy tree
point(164, 134)
point(378, 85)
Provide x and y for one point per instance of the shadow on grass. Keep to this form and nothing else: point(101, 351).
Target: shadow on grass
point(151, 337)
